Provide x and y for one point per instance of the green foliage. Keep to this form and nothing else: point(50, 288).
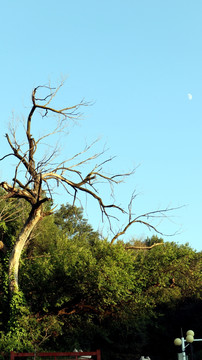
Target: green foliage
point(76, 270)
point(24, 329)
point(29, 334)
point(14, 335)
point(153, 240)
point(78, 291)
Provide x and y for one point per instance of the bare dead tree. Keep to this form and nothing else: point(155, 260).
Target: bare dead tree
point(33, 179)
point(35, 185)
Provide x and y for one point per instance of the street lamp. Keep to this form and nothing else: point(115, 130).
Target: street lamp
point(184, 342)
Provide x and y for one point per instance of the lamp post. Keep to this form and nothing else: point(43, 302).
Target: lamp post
point(184, 342)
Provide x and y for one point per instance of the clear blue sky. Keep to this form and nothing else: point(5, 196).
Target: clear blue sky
point(141, 63)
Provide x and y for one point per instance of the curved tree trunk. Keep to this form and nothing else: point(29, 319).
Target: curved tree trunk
point(34, 217)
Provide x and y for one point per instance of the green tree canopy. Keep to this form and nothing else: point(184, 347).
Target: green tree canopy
point(81, 291)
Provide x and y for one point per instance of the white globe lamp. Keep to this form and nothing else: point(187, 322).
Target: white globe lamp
point(190, 332)
point(178, 342)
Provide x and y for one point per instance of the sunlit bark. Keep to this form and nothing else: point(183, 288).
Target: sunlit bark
point(34, 217)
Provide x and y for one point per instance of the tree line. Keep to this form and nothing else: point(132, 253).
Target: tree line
point(80, 291)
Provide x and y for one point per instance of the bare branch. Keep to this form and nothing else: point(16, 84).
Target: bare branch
point(13, 192)
point(5, 156)
point(29, 168)
point(67, 112)
point(138, 219)
point(79, 187)
point(133, 247)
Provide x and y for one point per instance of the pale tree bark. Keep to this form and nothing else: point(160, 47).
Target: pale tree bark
point(34, 217)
